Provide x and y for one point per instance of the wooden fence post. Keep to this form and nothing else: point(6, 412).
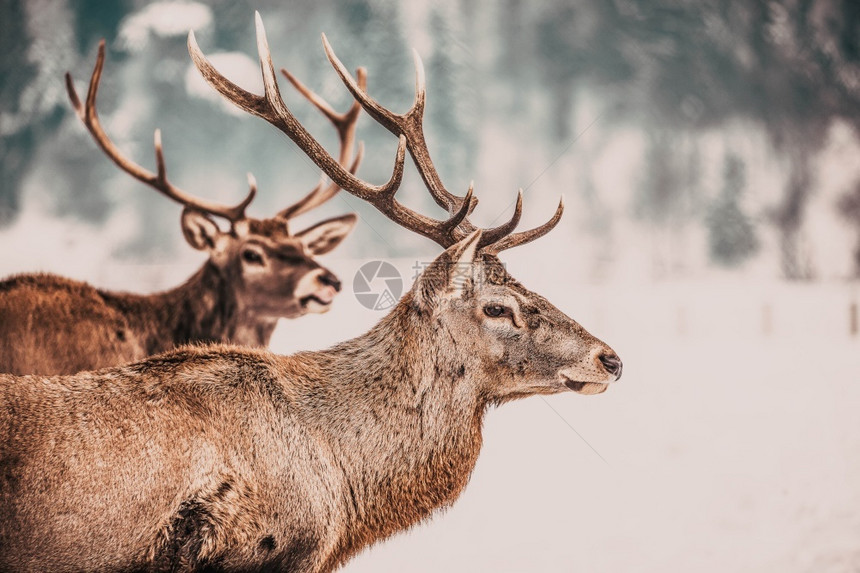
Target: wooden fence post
point(852, 319)
point(766, 319)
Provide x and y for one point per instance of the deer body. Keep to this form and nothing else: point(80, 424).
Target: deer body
point(286, 460)
point(225, 501)
point(91, 328)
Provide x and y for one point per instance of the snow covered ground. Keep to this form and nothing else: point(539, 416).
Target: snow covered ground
point(718, 457)
point(732, 442)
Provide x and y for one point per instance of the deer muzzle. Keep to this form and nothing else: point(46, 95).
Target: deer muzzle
point(317, 290)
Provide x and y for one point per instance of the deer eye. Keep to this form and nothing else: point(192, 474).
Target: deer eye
point(252, 256)
point(495, 310)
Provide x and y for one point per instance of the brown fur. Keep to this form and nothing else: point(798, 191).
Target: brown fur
point(235, 459)
point(55, 325)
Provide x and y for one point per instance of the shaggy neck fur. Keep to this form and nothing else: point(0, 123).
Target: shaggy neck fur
point(404, 420)
point(203, 309)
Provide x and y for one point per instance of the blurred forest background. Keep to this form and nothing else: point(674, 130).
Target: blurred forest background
point(689, 137)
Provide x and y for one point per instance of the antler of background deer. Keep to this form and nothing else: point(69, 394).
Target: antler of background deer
point(408, 127)
point(158, 181)
point(344, 124)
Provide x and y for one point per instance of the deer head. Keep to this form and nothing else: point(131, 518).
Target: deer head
point(516, 342)
point(272, 270)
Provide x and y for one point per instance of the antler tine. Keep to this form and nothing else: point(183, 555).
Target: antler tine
point(490, 236)
point(319, 194)
point(345, 124)
point(450, 226)
point(385, 202)
point(158, 181)
point(409, 124)
point(290, 211)
point(524, 237)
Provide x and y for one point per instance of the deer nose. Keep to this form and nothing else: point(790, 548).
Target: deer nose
point(612, 364)
point(328, 279)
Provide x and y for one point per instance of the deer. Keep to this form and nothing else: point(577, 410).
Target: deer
point(257, 272)
point(230, 458)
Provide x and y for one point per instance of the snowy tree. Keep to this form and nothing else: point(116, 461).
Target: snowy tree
point(731, 233)
point(849, 206)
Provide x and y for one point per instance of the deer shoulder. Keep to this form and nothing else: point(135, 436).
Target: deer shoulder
point(252, 486)
point(54, 325)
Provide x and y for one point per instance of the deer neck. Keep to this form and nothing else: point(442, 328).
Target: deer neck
point(408, 423)
point(205, 309)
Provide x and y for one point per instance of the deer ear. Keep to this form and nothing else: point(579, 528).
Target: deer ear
point(200, 231)
point(453, 272)
point(325, 236)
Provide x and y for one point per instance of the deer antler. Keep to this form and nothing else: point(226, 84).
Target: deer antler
point(411, 126)
point(158, 181)
point(344, 123)
point(271, 107)
point(409, 129)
